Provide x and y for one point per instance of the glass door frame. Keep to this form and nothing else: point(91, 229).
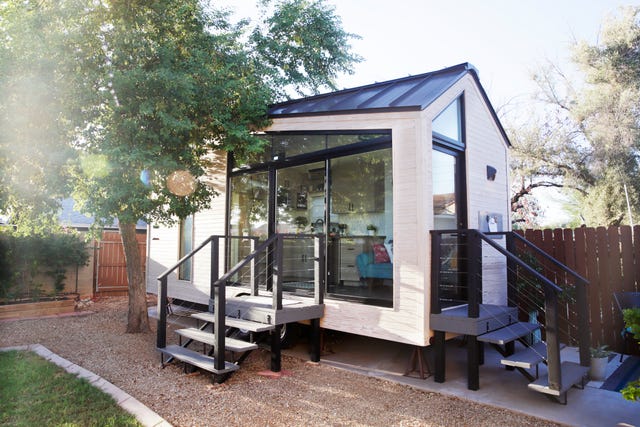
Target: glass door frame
point(271, 167)
point(460, 189)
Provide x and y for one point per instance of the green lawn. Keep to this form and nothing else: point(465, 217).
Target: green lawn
point(35, 392)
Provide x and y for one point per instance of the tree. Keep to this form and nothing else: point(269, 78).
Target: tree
point(588, 137)
point(157, 85)
point(33, 151)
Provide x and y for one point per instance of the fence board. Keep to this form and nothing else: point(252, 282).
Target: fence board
point(609, 258)
point(111, 265)
point(612, 282)
point(570, 248)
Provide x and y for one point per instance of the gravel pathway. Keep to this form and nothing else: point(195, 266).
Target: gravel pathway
point(308, 395)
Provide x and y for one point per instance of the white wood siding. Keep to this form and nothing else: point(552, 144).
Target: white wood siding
point(164, 248)
point(405, 322)
point(408, 320)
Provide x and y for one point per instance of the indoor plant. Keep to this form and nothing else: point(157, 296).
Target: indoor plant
point(371, 229)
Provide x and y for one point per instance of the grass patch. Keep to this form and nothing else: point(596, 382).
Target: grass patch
point(35, 392)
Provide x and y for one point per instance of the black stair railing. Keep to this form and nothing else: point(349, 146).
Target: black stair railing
point(273, 273)
point(214, 240)
point(580, 285)
point(472, 241)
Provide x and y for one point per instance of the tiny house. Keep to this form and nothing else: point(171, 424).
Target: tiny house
point(373, 170)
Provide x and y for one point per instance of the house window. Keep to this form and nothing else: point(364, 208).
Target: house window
point(186, 246)
point(447, 125)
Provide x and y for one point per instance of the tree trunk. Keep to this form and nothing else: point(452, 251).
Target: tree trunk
point(138, 319)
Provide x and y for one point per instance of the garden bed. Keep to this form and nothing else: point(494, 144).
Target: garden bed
point(23, 310)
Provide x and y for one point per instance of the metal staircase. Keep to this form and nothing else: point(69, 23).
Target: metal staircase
point(500, 326)
point(257, 308)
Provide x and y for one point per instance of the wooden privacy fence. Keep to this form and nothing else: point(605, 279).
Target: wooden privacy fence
point(609, 258)
point(111, 275)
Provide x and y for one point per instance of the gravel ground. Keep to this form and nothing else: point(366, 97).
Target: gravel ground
point(308, 395)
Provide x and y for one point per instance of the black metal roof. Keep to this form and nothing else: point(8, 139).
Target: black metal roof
point(413, 93)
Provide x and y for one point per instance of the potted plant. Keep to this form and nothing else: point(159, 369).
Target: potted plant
point(599, 360)
point(372, 229)
point(301, 223)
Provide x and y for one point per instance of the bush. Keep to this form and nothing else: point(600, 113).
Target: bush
point(24, 258)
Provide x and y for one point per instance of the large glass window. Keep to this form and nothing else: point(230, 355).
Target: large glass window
point(444, 191)
point(249, 205)
point(248, 216)
point(361, 215)
point(448, 123)
point(300, 210)
point(355, 212)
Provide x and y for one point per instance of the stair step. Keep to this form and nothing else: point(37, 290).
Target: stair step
point(197, 359)
point(572, 374)
point(509, 333)
point(230, 344)
point(233, 322)
point(527, 358)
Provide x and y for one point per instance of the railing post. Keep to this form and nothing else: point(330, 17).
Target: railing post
point(553, 339)
point(584, 336)
point(214, 270)
point(219, 301)
point(253, 283)
point(319, 269)
point(161, 338)
point(436, 240)
point(474, 273)
point(277, 274)
point(512, 272)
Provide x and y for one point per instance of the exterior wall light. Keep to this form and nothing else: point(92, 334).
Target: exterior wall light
point(491, 173)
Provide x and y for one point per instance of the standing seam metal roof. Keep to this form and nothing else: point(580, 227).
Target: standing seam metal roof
point(413, 93)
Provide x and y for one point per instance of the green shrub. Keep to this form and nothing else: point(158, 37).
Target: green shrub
point(24, 257)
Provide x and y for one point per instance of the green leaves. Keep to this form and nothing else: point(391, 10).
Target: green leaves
point(303, 45)
point(121, 87)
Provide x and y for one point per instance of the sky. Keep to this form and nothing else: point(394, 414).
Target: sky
point(506, 40)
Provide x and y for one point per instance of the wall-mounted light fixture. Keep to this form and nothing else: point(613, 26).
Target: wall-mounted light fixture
point(491, 173)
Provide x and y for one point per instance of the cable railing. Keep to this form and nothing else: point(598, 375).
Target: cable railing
point(457, 278)
point(263, 271)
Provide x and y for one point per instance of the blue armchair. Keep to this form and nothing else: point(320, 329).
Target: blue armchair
point(370, 270)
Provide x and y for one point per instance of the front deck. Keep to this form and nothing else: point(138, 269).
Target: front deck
point(258, 307)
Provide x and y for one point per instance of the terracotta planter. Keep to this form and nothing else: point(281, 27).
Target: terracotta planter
point(37, 309)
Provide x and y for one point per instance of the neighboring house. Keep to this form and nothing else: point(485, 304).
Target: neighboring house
point(105, 274)
point(402, 157)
